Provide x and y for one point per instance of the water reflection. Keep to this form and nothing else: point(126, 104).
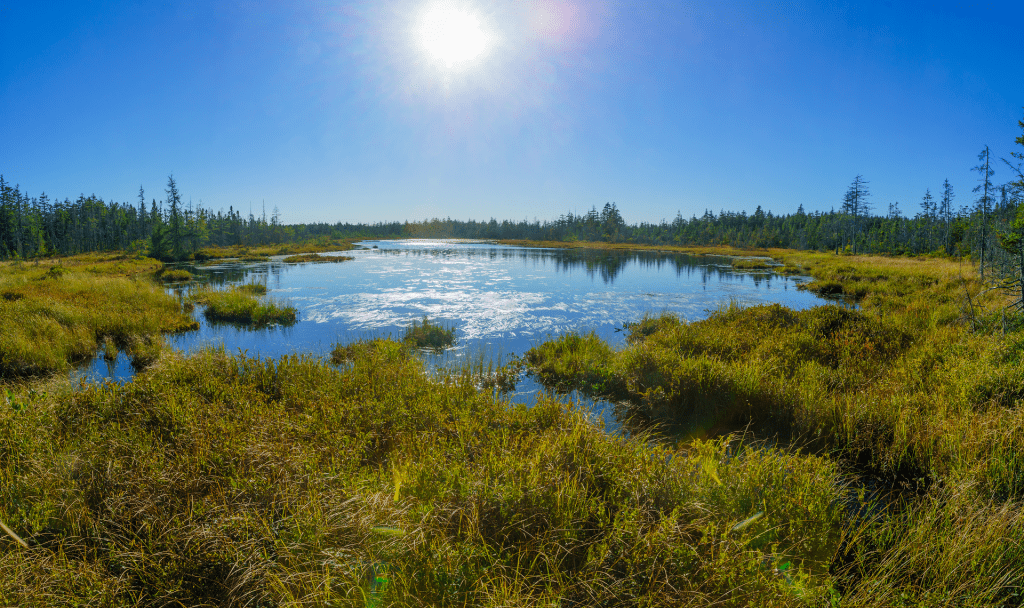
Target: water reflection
point(502, 300)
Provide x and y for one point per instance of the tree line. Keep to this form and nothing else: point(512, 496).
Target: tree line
point(172, 230)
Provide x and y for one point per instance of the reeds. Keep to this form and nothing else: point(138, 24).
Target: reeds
point(224, 480)
point(220, 480)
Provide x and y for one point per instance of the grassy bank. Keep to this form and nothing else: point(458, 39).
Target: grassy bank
point(261, 252)
point(888, 386)
point(57, 313)
point(243, 305)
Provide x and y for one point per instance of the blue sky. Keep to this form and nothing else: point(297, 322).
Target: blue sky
point(336, 111)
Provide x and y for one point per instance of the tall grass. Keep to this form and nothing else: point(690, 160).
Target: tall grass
point(223, 480)
point(53, 315)
point(220, 480)
point(900, 388)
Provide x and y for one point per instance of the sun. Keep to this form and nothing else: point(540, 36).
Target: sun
point(452, 36)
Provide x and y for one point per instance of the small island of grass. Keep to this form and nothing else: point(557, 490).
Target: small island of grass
point(751, 264)
point(242, 306)
point(316, 257)
point(432, 336)
point(175, 275)
point(256, 289)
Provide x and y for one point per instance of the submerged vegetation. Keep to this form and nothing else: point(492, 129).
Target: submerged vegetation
point(243, 305)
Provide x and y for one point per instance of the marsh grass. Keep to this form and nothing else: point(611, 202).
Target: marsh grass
point(220, 480)
point(256, 289)
point(751, 264)
point(56, 314)
point(175, 275)
point(244, 306)
point(316, 258)
point(265, 251)
point(223, 480)
point(429, 335)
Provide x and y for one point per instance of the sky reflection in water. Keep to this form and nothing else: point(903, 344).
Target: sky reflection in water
point(502, 300)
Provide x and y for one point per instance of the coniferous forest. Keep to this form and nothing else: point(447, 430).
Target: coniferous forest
point(969, 220)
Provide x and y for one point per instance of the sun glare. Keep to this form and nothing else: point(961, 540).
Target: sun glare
point(452, 36)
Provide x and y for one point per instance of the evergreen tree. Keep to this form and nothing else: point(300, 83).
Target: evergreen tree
point(856, 206)
point(984, 203)
point(946, 213)
point(176, 232)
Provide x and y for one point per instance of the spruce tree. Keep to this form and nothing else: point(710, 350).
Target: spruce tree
point(984, 204)
point(176, 233)
point(856, 206)
point(946, 213)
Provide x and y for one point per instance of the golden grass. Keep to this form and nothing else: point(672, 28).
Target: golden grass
point(243, 305)
point(57, 313)
point(316, 258)
point(264, 251)
point(889, 474)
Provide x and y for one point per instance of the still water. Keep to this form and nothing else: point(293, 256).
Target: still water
point(502, 300)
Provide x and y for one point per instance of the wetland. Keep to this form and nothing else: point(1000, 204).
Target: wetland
point(796, 451)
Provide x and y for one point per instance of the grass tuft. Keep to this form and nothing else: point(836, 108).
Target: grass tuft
point(240, 305)
point(428, 335)
point(175, 275)
point(751, 264)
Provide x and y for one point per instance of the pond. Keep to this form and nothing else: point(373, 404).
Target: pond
point(502, 300)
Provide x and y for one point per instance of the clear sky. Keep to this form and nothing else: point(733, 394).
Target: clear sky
point(407, 109)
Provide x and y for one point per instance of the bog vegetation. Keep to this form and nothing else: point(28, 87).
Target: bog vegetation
point(56, 313)
point(827, 457)
point(840, 456)
point(245, 305)
point(429, 335)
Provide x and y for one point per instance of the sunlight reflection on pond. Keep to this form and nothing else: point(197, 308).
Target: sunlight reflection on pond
point(502, 299)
